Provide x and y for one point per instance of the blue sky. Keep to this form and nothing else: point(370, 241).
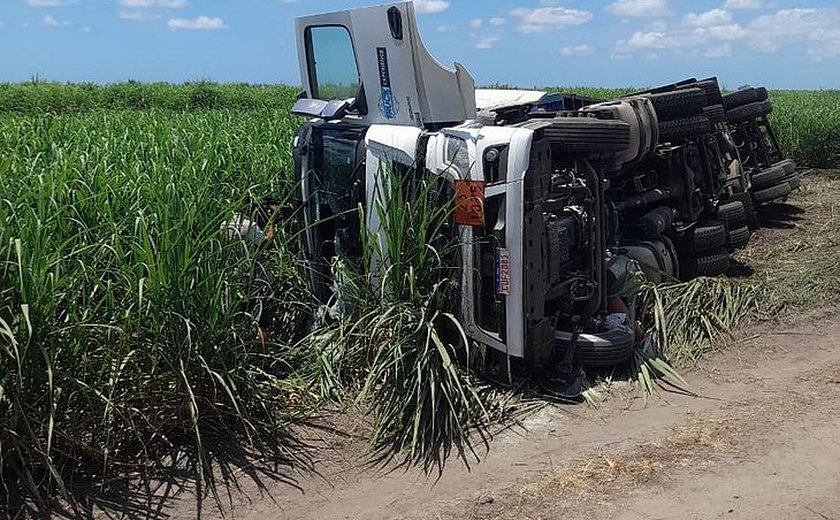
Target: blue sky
point(778, 43)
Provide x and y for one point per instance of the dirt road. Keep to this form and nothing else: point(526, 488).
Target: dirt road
point(763, 441)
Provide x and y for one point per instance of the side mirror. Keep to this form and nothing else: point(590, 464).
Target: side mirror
point(320, 108)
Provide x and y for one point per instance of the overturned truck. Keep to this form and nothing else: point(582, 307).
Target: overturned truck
point(553, 187)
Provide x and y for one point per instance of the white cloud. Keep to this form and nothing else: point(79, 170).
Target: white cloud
point(819, 29)
point(200, 23)
point(166, 4)
point(86, 29)
point(430, 6)
point(497, 21)
point(49, 21)
point(46, 3)
point(487, 43)
point(576, 50)
point(137, 15)
point(445, 28)
point(720, 32)
point(638, 8)
point(743, 4)
point(2, 24)
point(475, 23)
point(719, 51)
point(681, 38)
point(709, 18)
point(649, 40)
point(549, 18)
point(815, 30)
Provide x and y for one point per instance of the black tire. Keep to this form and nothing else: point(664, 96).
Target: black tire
point(749, 111)
point(749, 210)
point(715, 113)
point(710, 88)
point(678, 103)
point(713, 95)
point(703, 237)
point(714, 263)
point(788, 165)
point(588, 135)
point(739, 97)
point(793, 181)
point(768, 177)
point(779, 191)
point(732, 214)
point(616, 347)
point(686, 128)
point(713, 92)
point(738, 238)
point(760, 93)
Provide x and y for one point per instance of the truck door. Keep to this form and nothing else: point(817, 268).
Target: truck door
point(375, 56)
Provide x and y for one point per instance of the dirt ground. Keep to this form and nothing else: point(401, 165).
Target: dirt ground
point(761, 439)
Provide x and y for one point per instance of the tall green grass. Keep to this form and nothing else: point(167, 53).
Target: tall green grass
point(44, 97)
point(126, 327)
point(808, 126)
point(401, 351)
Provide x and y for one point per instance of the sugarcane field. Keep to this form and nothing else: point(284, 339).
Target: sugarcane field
point(348, 262)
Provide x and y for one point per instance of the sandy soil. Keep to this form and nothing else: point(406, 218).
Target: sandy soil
point(762, 441)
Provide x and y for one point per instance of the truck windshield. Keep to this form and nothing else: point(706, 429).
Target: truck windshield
point(332, 63)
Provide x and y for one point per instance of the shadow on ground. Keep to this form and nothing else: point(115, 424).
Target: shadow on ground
point(146, 492)
point(780, 215)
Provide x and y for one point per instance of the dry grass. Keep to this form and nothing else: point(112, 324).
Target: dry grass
point(796, 256)
point(610, 474)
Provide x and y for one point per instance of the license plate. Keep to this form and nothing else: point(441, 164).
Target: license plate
point(502, 271)
point(469, 203)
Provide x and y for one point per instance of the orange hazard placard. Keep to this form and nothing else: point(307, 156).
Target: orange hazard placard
point(469, 203)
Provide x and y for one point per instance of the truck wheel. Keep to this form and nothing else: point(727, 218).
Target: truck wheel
point(710, 88)
point(738, 238)
point(713, 264)
point(605, 349)
point(768, 177)
point(749, 210)
point(715, 113)
point(704, 236)
point(678, 103)
point(739, 97)
point(588, 135)
point(732, 214)
point(794, 181)
point(772, 193)
point(788, 165)
point(686, 128)
point(749, 111)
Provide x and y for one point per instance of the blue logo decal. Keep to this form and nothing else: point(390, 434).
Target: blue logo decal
point(387, 104)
